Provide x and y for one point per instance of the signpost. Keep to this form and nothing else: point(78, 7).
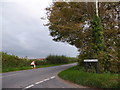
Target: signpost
point(86, 61)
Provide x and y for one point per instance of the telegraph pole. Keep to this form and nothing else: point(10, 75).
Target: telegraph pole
point(97, 7)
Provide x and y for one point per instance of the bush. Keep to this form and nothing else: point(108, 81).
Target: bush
point(106, 63)
point(73, 59)
point(114, 66)
point(54, 59)
point(38, 62)
point(13, 61)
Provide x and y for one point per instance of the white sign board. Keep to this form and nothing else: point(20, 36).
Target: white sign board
point(91, 60)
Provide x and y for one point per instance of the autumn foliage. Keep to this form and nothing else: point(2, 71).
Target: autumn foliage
point(95, 37)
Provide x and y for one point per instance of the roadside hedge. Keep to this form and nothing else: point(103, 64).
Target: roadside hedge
point(55, 59)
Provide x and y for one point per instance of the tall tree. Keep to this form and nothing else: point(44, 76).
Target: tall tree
point(69, 21)
point(72, 22)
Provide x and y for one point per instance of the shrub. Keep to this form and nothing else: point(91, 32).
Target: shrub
point(9, 61)
point(54, 59)
point(38, 62)
point(72, 59)
point(106, 63)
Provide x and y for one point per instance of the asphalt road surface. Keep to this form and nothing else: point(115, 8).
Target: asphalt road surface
point(37, 78)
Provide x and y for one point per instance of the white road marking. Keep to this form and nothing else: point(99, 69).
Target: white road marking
point(46, 79)
point(52, 77)
point(39, 82)
point(29, 86)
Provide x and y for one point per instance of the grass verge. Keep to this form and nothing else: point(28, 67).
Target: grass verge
point(9, 69)
point(103, 80)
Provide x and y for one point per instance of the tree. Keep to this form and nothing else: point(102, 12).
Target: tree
point(73, 22)
point(97, 35)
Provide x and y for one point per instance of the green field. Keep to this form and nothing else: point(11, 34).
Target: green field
point(103, 80)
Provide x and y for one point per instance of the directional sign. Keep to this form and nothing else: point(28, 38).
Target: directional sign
point(86, 61)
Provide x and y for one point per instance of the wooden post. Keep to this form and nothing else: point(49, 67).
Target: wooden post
point(97, 68)
point(86, 66)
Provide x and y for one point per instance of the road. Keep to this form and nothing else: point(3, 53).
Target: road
point(37, 78)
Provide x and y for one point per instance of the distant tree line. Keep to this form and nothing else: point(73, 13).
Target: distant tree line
point(13, 61)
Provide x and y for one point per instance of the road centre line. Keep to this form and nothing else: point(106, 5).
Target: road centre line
point(29, 86)
point(52, 77)
point(46, 79)
point(39, 82)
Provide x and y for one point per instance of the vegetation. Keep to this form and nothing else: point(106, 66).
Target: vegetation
point(72, 59)
point(95, 37)
point(0, 61)
point(77, 75)
point(55, 59)
point(14, 63)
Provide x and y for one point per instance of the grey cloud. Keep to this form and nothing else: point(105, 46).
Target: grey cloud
point(25, 35)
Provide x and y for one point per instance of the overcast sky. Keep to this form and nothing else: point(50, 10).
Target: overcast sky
point(23, 32)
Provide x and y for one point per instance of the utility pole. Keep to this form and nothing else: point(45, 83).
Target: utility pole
point(97, 7)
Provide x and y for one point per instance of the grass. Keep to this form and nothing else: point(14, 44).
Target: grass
point(103, 80)
point(9, 69)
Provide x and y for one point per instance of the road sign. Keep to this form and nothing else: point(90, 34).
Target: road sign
point(91, 60)
point(86, 61)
